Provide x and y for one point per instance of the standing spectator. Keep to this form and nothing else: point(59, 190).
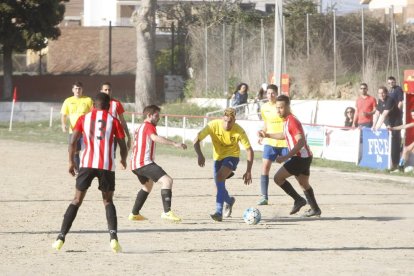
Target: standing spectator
point(117, 110)
point(388, 113)
point(364, 109)
point(273, 123)
point(396, 93)
point(260, 96)
point(297, 160)
point(407, 149)
point(349, 116)
point(225, 134)
point(74, 107)
point(97, 161)
point(144, 167)
point(239, 97)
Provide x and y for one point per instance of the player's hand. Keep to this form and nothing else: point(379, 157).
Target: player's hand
point(64, 128)
point(123, 164)
point(281, 159)
point(72, 170)
point(247, 177)
point(260, 141)
point(261, 134)
point(201, 160)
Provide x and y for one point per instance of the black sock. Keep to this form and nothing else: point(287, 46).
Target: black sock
point(288, 188)
point(166, 195)
point(310, 197)
point(68, 219)
point(139, 201)
point(112, 220)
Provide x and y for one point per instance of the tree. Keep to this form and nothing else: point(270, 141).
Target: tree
point(144, 21)
point(26, 25)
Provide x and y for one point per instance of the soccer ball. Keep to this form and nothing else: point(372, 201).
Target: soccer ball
point(252, 216)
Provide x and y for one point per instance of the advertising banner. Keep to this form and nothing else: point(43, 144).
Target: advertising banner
point(341, 144)
point(315, 137)
point(376, 149)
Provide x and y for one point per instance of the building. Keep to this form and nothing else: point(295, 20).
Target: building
point(403, 9)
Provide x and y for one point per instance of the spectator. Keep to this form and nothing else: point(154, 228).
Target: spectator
point(364, 108)
point(349, 116)
point(239, 97)
point(396, 93)
point(407, 149)
point(388, 113)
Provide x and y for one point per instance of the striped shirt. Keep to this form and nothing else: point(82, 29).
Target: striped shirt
point(99, 130)
point(116, 108)
point(292, 128)
point(143, 150)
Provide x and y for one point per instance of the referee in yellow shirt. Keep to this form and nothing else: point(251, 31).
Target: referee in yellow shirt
point(72, 108)
point(225, 135)
point(273, 123)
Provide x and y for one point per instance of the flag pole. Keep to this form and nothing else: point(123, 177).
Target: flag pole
point(12, 108)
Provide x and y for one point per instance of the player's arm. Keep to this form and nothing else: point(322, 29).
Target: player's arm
point(247, 176)
point(72, 150)
point(277, 136)
point(125, 126)
point(200, 156)
point(301, 142)
point(166, 141)
point(409, 125)
point(63, 119)
point(123, 150)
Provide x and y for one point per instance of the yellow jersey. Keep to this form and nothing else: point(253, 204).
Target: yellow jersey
point(225, 143)
point(273, 123)
point(75, 107)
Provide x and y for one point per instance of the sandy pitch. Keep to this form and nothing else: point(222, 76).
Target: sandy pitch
point(366, 228)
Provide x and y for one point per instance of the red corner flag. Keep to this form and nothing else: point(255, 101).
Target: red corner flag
point(15, 94)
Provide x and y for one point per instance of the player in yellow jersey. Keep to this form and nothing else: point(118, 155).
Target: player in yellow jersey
point(72, 108)
point(225, 135)
point(273, 123)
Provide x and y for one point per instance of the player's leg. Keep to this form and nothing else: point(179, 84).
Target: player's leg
point(303, 179)
point(280, 178)
point(83, 181)
point(76, 157)
point(107, 187)
point(264, 181)
point(405, 156)
point(142, 195)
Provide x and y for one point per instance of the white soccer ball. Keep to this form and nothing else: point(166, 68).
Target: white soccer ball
point(252, 216)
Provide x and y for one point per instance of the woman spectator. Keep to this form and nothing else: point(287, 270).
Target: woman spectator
point(349, 116)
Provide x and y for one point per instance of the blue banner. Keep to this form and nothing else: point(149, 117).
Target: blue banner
point(375, 149)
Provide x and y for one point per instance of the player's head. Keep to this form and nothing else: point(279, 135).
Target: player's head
point(283, 105)
point(271, 92)
point(106, 88)
point(152, 114)
point(101, 101)
point(229, 118)
point(77, 89)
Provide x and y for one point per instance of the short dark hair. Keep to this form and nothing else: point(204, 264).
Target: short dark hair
point(102, 101)
point(150, 110)
point(283, 98)
point(106, 83)
point(77, 83)
point(364, 84)
point(383, 88)
point(391, 78)
point(273, 87)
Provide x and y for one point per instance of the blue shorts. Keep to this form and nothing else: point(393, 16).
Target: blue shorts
point(271, 153)
point(229, 162)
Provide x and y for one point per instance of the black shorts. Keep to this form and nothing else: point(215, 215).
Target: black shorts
point(106, 179)
point(150, 171)
point(298, 165)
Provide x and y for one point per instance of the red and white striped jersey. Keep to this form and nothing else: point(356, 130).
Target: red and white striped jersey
point(291, 129)
point(143, 151)
point(116, 108)
point(99, 130)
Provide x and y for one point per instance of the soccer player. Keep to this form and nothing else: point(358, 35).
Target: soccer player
point(99, 130)
point(225, 135)
point(273, 123)
point(116, 110)
point(144, 167)
point(74, 107)
point(297, 160)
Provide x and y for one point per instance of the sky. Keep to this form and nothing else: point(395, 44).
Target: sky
point(343, 6)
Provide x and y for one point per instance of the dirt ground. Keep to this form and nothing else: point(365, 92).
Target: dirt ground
point(366, 228)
